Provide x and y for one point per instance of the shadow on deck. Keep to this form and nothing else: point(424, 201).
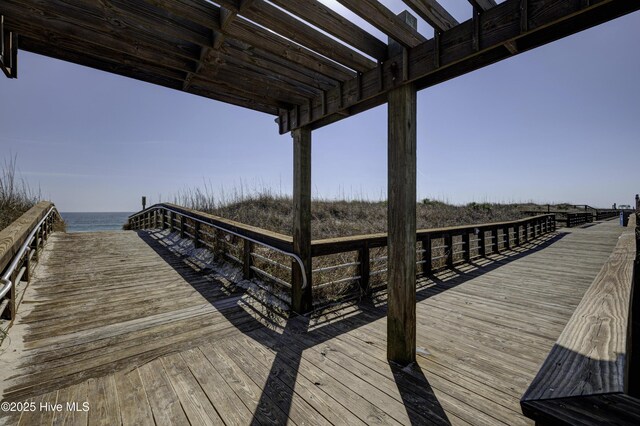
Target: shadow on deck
point(483, 330)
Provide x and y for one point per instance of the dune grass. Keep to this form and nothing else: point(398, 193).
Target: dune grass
point(16, 197)
point(338, 218)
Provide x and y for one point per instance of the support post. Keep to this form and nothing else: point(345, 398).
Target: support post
point(482, 243)
point(466, 246)
point(426, 255)
point(196, 235)
point(247, 260)
point(401, 216)
point(364, 261)
point(301, 299)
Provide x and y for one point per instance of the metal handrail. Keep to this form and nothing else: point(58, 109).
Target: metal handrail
point(7, 283)
point(286, 253)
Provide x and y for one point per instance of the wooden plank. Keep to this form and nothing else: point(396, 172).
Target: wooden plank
point(13, 236)
point(161, 395)
point(483, 4)
point(335, 24)
point(193, 400)
point(590, 356)
point(383, 19)
point(401, 218)
point(457, 55)
point(432, 12)
point(284, 24)
point(616, 409)
point(103, 400)
point(301, 299)
point(74, 411)
point(132, 399)
point(221, 395)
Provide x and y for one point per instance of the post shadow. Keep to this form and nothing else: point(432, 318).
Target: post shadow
point(414, 388)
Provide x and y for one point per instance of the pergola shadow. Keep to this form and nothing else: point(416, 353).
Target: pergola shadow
point(302, 332)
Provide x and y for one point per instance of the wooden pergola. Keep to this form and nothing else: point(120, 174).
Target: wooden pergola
point(308, 66)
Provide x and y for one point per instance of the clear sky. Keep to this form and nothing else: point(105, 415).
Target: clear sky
point(559, 123)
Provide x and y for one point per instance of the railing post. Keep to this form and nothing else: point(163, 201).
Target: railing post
point(364, 267)
point(247, 249)
point(448, 242)
point(507, 238)
point(13, 294)
point(196, 235)
point(482, 243)
point(516, 235)
point(171, 215)
point(426, 255)
point(181, 226)
point(466, 246)
point(495, 247)
point(163, 219)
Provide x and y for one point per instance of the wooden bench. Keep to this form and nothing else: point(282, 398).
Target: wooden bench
point(584, 380)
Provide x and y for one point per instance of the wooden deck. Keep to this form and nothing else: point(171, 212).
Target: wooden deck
point(118, 321)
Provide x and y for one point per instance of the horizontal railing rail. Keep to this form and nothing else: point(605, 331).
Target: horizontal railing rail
point(436, 249)
point(341, 267)
point(20, 244)
point(586, 374)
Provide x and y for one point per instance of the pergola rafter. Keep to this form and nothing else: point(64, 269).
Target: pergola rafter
point(309, 66)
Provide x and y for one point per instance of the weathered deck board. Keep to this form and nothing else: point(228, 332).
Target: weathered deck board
point(118, 321)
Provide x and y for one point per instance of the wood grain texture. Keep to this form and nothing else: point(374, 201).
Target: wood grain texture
point(401, 217)
point(147, 338)
point(590, 356)
point(13, 236)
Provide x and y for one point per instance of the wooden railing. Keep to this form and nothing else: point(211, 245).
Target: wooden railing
point(344, 267)
point(20, 245)
point(568, 219)
point(585, 380)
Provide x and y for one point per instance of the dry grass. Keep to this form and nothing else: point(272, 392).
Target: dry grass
point(339, 218)
point(333, 218)
point(15, 195)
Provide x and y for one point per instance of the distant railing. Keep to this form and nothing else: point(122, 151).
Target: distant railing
point(585, 378)
point(20, 244)
point(344, 267)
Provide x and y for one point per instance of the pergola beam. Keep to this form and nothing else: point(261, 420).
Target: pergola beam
point(383, 19)
point(160, 77)
point(432, 12)
point(335, 24)
point(483, 4)
point(457, 51)
point(287, 26)
point(208, 16)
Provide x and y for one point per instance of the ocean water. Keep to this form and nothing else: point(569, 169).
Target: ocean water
point(93, 222)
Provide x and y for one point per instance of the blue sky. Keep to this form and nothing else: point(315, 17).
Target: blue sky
point(559, 123)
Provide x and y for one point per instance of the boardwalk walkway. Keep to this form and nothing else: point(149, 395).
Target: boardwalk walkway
point(118, 321)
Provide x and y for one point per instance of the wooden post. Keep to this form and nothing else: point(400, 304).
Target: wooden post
point(181, 226)
point(171, 214)
point(426, 255)
point(163, 219)
point(466, 246)
point(448, 242)
point(247, 248)
point(482, 243)
point(507, 238)
point(516, 235)
point(401, 215)
point(196, 235)
point(365, 268)
point(301, 299)
point(495, 247)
